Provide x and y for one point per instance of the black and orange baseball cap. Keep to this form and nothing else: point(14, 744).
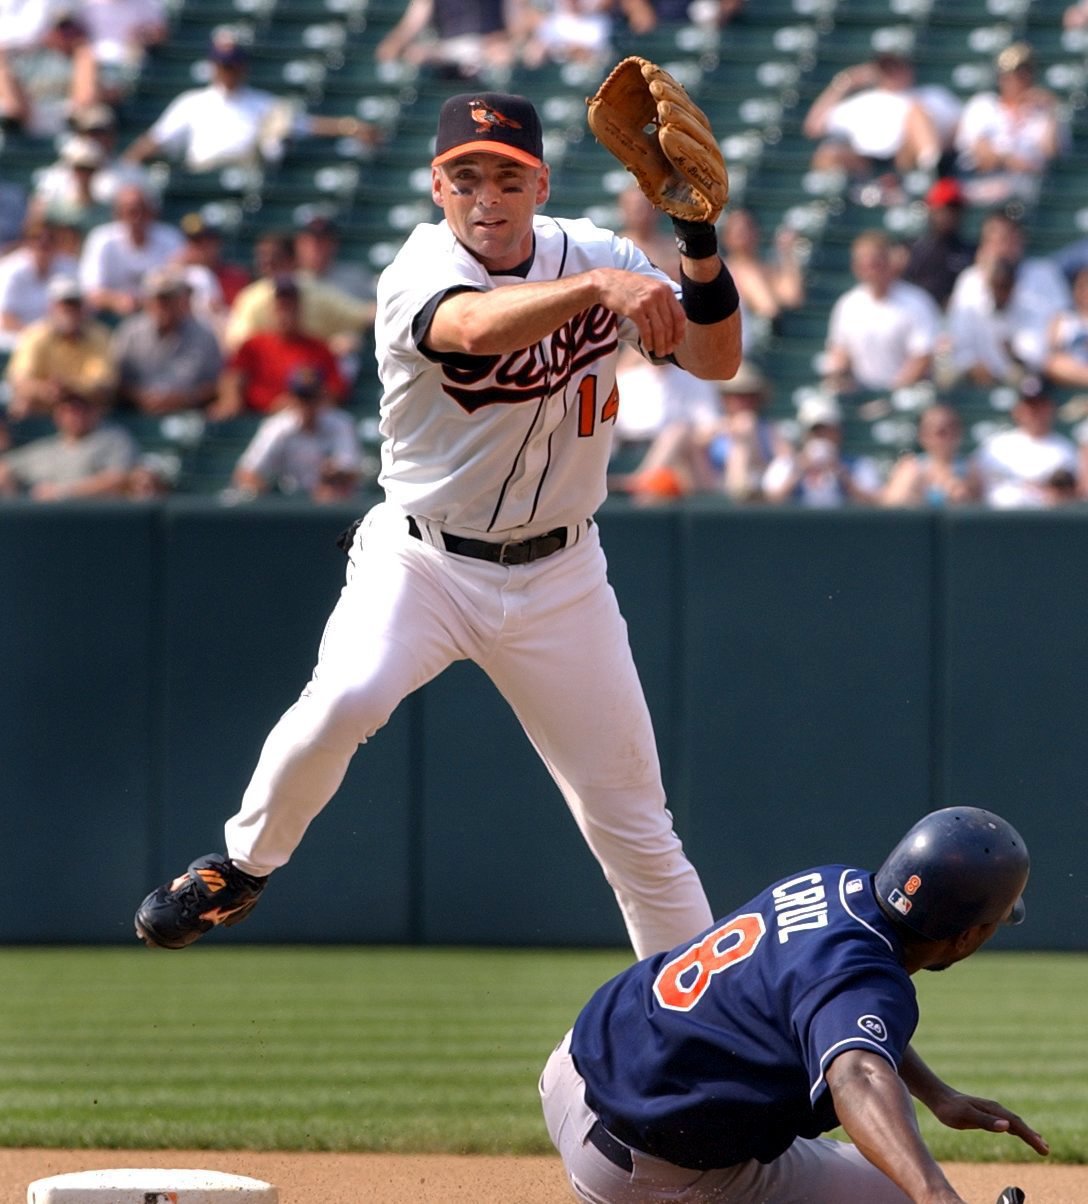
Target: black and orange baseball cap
point(498, 123)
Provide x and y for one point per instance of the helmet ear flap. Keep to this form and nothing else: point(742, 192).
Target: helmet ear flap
point(955, 868)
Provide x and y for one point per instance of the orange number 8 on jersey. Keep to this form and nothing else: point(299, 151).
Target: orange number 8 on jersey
point(682, 982)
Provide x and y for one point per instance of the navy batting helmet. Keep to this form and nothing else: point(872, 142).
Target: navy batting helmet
point(955, 868)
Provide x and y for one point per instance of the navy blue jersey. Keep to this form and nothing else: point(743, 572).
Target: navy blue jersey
point(716, 1052)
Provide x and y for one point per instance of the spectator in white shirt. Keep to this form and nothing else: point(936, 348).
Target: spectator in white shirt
point(25, 274)
point(118, 256)
point(229, 122)
point(1038, 295)
point(1006, 138)
point(307, 447)
point(872, 122)
point(1025, 465)
point(983, 332)
point(883, 331)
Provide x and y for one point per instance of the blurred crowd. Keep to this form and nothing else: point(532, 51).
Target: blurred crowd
point(928, 318)
point(107, 309)
point(137, 316)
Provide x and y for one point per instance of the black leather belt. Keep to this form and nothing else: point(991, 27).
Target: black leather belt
point(514, 551)
point(611, 1147)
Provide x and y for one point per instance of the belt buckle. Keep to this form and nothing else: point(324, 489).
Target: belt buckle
point(510, 544)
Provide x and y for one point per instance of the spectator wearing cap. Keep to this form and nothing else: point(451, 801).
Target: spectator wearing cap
point(883, 332)
point(871, 123)
point(306, 447)
point(40, 85)
point(328, 313)
point(25, 276)
point(938, 474)
point(84, 181)
point(67, 188)
point(1007, 138)
point(98, 122)
point(166, 360)
point(118, 255)
point(817, 474)
point(1018, 466)
point(229, 123)
point(85, 458)
point(204, 248)
point(256, 376)
point(317, 254)
point(936, 258)
point(65, 350)
point(1039, 292)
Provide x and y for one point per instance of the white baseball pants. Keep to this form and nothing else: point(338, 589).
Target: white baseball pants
point(811, 1171)
point(550, 636)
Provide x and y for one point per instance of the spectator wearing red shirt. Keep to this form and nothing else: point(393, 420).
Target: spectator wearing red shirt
point(256, 376)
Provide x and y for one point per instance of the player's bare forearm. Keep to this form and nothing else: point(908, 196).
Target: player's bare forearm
point(508, 318)
point(959, 1111)
point(514, 316)
point(921, 1080)
point(711, 352)
point(873, 1106)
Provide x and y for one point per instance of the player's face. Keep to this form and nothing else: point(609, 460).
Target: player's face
point(970, 941)
point(489, 202)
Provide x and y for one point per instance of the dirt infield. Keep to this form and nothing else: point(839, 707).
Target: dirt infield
point(445, 1179)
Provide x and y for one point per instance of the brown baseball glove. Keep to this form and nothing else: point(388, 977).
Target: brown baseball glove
point(678, 163)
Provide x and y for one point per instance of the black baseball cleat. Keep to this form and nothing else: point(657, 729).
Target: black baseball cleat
point(1011, 1195)
point(212, 891)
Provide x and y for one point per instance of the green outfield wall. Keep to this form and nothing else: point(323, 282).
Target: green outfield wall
point(817, 680)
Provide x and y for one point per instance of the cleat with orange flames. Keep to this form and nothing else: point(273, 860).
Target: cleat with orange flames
point(212, 892)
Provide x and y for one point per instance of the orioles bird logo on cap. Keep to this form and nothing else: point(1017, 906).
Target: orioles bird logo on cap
point(486, 117)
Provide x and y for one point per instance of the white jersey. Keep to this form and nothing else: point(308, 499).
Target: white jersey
point(501, 446)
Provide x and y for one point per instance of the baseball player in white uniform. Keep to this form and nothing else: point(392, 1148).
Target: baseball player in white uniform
point(497, 336)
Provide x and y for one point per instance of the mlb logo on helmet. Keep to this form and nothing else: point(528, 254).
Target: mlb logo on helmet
point(899, 901)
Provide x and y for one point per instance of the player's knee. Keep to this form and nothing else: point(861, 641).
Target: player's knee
point(349, 713)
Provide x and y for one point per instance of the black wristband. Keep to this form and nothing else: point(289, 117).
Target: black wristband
point(696, 240)
point(709, 302)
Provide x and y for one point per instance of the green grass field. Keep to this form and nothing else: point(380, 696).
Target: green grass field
point(427, 1049)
